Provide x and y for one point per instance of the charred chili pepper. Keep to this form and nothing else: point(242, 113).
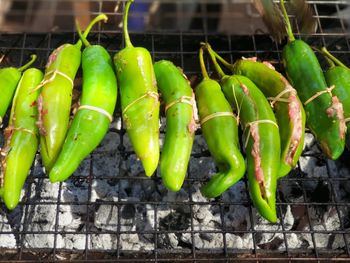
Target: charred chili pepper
point(21, 138)
point(261, 138)
point(289, 111)
point(338, 75)
point(324, 111)
point(180, 110)
point(9, 78)
point(97, 103)
point(220, 131)
point(55, 97)
point(139, 99)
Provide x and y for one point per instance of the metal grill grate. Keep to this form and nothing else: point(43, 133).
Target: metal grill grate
point(109, 200)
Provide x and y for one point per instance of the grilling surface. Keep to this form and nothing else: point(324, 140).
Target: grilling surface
point(110, 206)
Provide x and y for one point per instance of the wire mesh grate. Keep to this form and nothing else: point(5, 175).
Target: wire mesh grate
point(109, 211)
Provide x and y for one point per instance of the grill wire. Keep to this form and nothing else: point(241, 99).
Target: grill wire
point(181, 47)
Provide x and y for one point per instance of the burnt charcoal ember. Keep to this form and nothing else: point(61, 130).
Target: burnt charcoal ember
point(202, 168)
point(117, 206)
point(176, 220)
point(274, 244)
point(203, 243)
point(199, 145)
point(290, 191)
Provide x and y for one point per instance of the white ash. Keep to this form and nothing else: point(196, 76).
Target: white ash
point(7, 239)
point(204, 240)
point(100, 241)
point(310, 144)
point(114, 205)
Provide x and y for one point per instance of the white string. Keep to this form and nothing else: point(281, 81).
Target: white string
point(217, 114)
point(152, 94)
point(97, 109)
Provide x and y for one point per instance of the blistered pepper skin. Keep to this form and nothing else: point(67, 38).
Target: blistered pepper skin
point(180, 124)
point(21, 137)
point(324, 112)
point(139, 100)
point(9, 78)
point(88, 126)
point(56, 98)
point(289, 111)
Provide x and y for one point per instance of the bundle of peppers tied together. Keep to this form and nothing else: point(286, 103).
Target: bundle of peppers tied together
point(271, 111)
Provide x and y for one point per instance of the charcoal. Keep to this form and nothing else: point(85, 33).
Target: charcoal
point(7, 239)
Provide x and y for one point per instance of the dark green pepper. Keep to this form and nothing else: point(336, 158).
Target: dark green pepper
point(287, 106)
point(97, 103)
point(338, 75)
point(180, 109)
point(324, 111)
point(261, 138)
point(55, 98)
point(139, 99)
point(9, 78)
point(21, 138)
point(220, 131)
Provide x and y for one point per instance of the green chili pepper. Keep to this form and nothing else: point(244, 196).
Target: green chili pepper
point(220, 131)
point(9, 78)
point(55, 98)
point(97, 103)
point(21, 138)
point(288, 108)
point(261, 138)
point(180, 123)
point(339, 75)
point(139, 99)
point(324, 112)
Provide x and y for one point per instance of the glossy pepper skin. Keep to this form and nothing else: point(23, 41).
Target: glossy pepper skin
point(99, 91)
point(55, 98)
point(289, 110)
point(9, 78)
point(339, 75)
point(21, 138)
point(324, 114)
point(139, 100)
point(180, 123)
point(220, 134)
point(261, 138)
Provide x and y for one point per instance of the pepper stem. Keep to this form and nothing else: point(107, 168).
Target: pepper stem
point(89, 27)
point(82, 38)
point(291, 37)
point(125, 24)
point(226, 64)
point(27, 65)
point(213, 59)
point(332, 58)
point(201, 62)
